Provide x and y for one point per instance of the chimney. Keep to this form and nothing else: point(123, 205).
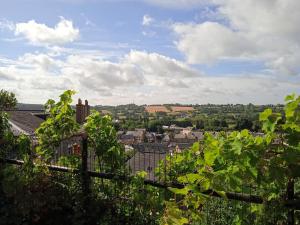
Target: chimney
point(87, 108)
point(82, 111)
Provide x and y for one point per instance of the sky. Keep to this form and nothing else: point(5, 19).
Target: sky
point(151, 51)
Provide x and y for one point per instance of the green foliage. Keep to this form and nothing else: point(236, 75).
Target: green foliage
point(59, 125)
point(4, 124)
point(7, 100)
point(228, 162)
point(231, 161)
point(102, 139)
point(31, 194)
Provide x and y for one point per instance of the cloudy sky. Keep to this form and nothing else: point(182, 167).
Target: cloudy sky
point(151, 51)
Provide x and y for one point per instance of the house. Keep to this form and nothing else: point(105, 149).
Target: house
point(198, 135)
point(186, 131)
point(127, 139)
point(175, 128)
point(138, 135)
point(179, 138)
point(27, 121)
point(150, 137)
point(146, 158)
point(24, 122)
point(191, 137)
point(166, 138)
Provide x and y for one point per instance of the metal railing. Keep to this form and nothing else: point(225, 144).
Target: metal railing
point(146, 157)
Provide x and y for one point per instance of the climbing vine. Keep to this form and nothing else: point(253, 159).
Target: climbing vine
point(59, 125)
point(102, 139)
point(231, 162)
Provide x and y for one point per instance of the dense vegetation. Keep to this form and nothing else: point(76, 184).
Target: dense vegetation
point(229, 162)
point(204, 117)
point(32, 194)
point(208, 117)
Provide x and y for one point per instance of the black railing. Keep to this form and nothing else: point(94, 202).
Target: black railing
point(147, 157)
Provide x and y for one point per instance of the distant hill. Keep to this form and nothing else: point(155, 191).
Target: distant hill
point(24, 106)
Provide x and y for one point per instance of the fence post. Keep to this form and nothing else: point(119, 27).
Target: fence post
point(85, 179)
point(290, 196)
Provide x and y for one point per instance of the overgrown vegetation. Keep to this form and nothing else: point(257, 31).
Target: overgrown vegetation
point(208, 117)
point(32, 194)
point(229, 162)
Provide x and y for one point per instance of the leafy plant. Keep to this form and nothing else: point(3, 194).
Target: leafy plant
point(102, 139)
point(231, 162)
point(59, 125)
point(7, 100)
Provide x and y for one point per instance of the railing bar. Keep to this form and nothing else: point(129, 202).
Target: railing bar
point(295, 203)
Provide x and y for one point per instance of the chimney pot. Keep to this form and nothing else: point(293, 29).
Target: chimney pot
point(82, 111)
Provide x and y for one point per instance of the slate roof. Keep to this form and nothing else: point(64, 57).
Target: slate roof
point(24, 122)
point(146, 161)
point(199, 135)
point(148, 155)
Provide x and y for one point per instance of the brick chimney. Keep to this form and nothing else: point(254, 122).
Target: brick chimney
point(87, 108)
point(82, 111)
point(79, 112)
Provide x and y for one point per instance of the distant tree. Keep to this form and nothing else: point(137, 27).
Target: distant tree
point(223, 123)
point(7, 100)
point(199, 124)
point(244, 123)
point(155, 126)
point(216, 123)
point(184, 123)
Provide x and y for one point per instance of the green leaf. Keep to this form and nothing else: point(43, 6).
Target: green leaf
point(222, 194)
point(196, 147)
point(179, 191)
point(237, 147)
point(290, 97)
point(190, 178)
point(265, 114)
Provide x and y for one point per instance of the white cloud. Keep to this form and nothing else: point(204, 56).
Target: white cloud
point(42, 61)
point(51, 83)
point(206, 42)
point(135, 73)
point(147, 20)
point(159, 65)
point(94, 73)
point(138, 77)
point(41, 34)
point(6, 24)
point(261, 30)
point(6, 77)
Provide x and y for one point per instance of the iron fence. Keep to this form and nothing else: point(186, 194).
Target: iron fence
point(147, 157)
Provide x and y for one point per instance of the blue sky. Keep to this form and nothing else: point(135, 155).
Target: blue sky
point(151, 51)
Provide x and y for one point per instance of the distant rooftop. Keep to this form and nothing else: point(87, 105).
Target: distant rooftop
point(24, 122)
